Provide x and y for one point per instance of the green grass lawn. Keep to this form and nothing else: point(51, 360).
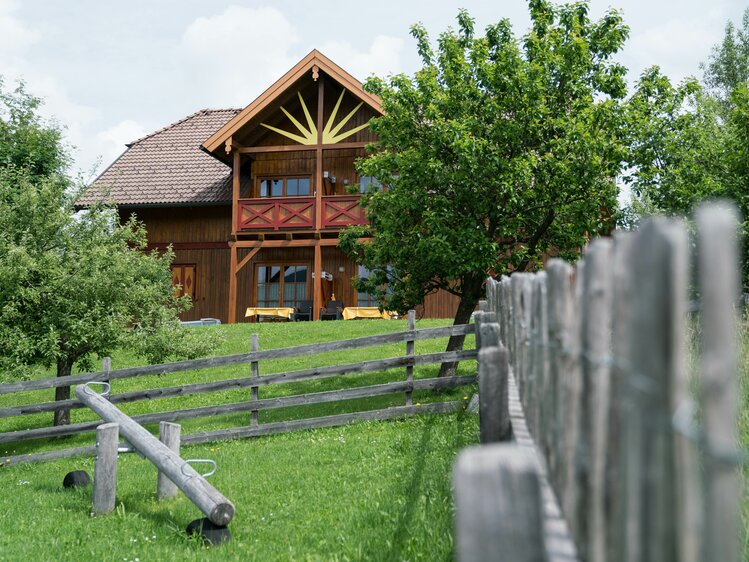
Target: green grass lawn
point(365, 491)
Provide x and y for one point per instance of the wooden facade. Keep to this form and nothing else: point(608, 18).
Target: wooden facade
point(294, 186)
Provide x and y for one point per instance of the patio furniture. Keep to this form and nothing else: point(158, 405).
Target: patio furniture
point(357, 312)
point(332, 311)
point(261, 312)
point(303, 311)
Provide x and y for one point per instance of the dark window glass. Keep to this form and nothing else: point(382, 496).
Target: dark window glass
point(292, 186)
point(303, 186)
point(367, 183)
point(277, 187)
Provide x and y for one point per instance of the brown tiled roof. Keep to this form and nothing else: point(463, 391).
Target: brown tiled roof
point(168, 167)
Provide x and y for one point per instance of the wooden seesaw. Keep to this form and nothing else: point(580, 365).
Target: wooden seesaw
point(174, 472)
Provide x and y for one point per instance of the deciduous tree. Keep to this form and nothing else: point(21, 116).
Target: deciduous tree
point(500, 150)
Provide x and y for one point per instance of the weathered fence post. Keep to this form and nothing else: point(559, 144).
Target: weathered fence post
point(657, 364)
point(105, 468)
point(254, 373)
point(498, 505)
point(543, 407)
point(718, 256)
point(494, 412)
point(564, 342)
point(169, 435)
point(595, 341)
point(106, 367)
point(410, 350)
point(619, 392)
point(209, 500)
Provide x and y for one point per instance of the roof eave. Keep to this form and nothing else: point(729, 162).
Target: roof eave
point(314, 58)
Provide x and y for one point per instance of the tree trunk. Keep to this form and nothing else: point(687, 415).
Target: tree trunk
point(468, 301)
point(64, 367)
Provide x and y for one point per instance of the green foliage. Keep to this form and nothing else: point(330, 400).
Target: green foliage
point(497, 151)
point(728, 66)
point(26, 141)
point(74, 286)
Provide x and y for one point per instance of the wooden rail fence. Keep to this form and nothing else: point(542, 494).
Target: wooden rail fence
point(255, 381)
point(643, 457)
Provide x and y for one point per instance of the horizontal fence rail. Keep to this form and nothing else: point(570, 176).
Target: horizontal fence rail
point(254, 404)
point(240, 358)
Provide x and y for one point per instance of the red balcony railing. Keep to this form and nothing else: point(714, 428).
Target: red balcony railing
point(342, 210)
point(277, 214)
point(286, 213)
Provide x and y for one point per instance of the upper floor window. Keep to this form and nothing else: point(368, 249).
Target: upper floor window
point(367, 183)
point(285, 186)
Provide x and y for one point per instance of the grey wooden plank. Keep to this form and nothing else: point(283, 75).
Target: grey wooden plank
point(494, 415)
point(657, 359)
point(254, 374)
point(719, 287)
point(241, 358)
point(593, 436)
point(410, 352)
point(498, 505)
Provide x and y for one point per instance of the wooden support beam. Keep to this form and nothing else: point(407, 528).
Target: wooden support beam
point(246, 259)
point(299, 147)
point(235, 192)
point(205, 497)
point(318, 155)
point(317, 283)
point(286, 243)
point(233, 285)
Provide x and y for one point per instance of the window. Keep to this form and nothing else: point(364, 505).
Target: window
point(285, 187)
point(367, 183)
point(281, 285)
point(183, 280)
point(364, 299)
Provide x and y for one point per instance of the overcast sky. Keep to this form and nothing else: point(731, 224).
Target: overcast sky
point(111, 72)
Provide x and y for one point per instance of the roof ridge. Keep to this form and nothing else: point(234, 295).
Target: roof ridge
point(180, 121)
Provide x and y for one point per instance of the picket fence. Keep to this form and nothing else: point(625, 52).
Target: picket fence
point(642, 456)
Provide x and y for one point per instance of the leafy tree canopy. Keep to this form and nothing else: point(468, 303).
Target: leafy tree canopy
point(26, 140)
point(498, 151)
point(73, 285)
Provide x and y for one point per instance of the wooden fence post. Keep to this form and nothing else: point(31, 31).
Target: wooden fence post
point(564, 342)
point(619, 393)
point(657, 361)
point(105, 468)
point(410, 350)
point(494, 411)
point(498, 505)
point(543, 400)
point(254, 373)
point(719, 282)
point(106, 367)
point(595, 341)
point(505, 314)
point(169, 435)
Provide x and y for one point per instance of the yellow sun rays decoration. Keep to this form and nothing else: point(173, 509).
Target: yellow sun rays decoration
point(330, 133)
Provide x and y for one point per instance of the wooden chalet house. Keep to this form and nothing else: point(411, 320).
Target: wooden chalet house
point(252, 200)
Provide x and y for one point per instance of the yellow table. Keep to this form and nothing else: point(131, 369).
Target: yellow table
point(281, 312)
point(353, 312)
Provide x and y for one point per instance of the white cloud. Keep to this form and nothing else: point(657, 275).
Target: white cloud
point(112, 141)
point(677, 46)
point(240, 52)
point(15, 36)
point(382, 58)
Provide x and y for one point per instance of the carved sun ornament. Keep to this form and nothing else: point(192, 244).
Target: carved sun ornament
point(330, 134)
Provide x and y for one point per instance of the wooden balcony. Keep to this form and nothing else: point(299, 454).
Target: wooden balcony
point(298, 213)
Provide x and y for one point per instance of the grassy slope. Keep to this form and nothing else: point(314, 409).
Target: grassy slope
point(368, 491)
